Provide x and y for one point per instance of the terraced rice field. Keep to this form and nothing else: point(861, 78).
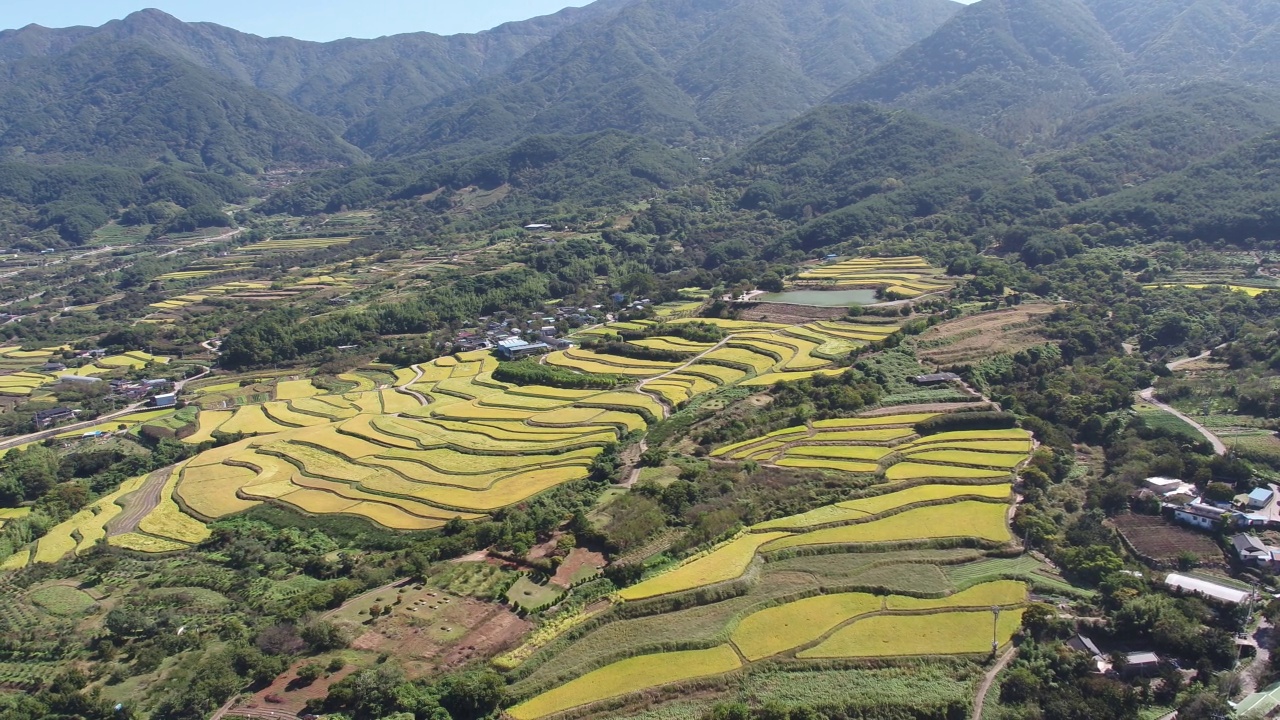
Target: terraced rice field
point(629, 676)
point(294, 245)
point(727, 562)
point(952, 633)
point(906, 276)
point(967, 519)
point(865, 508)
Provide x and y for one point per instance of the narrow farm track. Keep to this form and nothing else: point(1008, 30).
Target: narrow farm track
point(139, 503)
point(981, 698)
point(414, 393)
point(658, 396)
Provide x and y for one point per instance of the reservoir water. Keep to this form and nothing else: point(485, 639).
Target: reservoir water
point(822, 298)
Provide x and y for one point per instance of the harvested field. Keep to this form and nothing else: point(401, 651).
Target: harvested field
point(1158, 541)
point(977, 337)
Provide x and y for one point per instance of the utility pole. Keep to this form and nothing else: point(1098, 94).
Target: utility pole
point(995, 630)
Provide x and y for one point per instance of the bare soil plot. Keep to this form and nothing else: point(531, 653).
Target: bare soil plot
point(789, 314)
point(581, 563)
point(984, 335)
point(1160, 541)
point(430, 630)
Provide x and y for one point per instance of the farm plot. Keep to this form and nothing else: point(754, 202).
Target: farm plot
point(725, 563)
point(907, 276)
point(866, 508)
point(1156, 540)
point(628, 676)
point(947, 633)
point(294, 245)
point(978, 337)
point(966, 519)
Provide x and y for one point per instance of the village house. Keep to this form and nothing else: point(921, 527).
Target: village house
point(53, 416)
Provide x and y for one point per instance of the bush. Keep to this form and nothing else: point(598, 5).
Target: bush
point(529, 372)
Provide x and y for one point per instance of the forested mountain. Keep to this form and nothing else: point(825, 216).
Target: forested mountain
point(124, 103)
point(1234, 196)
point(845, 171)
point(1014, 69)
point(343, 80)
point(592, 168)
point(671, 69)
point(1143, 136)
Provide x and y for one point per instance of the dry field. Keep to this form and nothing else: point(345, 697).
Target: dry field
point(974, 338)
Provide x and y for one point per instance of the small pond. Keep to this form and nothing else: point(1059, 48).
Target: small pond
point(822, 298)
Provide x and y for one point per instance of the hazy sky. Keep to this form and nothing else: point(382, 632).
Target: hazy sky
point(306, 19)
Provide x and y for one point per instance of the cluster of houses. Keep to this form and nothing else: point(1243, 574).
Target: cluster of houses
point(1259, 509)
point(514, 338)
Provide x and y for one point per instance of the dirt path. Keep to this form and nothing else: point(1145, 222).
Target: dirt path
point(139, 503)
point(1250, 679)
point(416, 378)
point(633, 475)
point(981, 698)
point(663, 401)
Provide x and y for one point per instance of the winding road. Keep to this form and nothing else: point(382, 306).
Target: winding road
point(1148, 396)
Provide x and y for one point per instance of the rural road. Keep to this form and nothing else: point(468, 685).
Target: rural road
point(139, 503)
point(1148, 395)
point(981, 698)
point(662, 400)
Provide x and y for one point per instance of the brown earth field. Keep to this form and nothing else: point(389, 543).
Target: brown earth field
point(430, 630)
point(789, 314)
point(1162, 541)
point(981, 336)
point(580, 563)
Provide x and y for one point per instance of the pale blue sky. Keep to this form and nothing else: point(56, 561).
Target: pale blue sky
point(306, 19)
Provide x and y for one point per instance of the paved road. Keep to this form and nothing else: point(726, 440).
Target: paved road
point(990, 679)
point(658, 396)
point(1148, 395)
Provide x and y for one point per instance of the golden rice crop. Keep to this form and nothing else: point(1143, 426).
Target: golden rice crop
point(394, 402)
point(867, 507)
point(362, 383)
point(146, 543)
point(716, 373)
point(778, 629)
point(559, 359)
point(1007, 461)
point(317, 502)
point(949, 437)
point(865, 435)
point(280, 413)
point(296, 390)
point(411, 507)
point(725, 563)
point(672, 393)
point(623, 400)
point(168, 521)
point(509, 491)
point(673, 344)
point(774, 378)
point(953, 633)
point(210, 490)
point(56, 544)
point(209, 420)
point(628, 676)
point(970, 518)
point(250, 420)
point(742, 358)
point(323, 409)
